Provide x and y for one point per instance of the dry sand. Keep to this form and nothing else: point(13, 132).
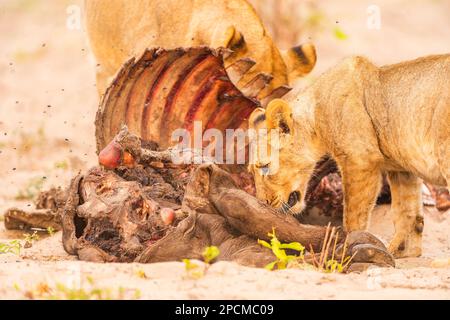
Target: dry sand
point(47, 106)
point(47, 263)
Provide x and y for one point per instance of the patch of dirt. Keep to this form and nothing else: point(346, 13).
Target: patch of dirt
point(46, 262)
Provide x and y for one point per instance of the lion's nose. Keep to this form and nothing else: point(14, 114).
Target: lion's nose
point(294, 197)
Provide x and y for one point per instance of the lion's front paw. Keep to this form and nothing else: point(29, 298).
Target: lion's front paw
point(406, 246)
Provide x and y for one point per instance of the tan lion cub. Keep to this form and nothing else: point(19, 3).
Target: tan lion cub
point(394, 120)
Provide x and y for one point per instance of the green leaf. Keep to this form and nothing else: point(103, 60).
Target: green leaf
point(280, 254)
point(62, 165)
point(273, 238)
point(90, 280)
point(210, 253)
point(275, 242)
point(272, 235)
point(270, 266)
point(11, 247)
point(197, 274)
point(339, 34)
point(293, 245)
point(277, 248)
point(188, 265)
point(281, 265)
point(50, 230)
point(291, 258)
point(264, 244)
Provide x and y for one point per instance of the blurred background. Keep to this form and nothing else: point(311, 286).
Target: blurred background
point(48, 97)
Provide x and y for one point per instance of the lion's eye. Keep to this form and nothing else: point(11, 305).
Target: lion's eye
point(263, 169)
point(294, 197)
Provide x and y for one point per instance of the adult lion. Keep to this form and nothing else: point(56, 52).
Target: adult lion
point(119, 29)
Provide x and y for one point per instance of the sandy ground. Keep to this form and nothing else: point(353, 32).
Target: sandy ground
point(47, 105)
point(46, 264)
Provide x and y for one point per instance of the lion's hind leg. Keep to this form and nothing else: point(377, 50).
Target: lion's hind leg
point(441, 138)
point(443, 198)
point(407, 212)
point(444, 161)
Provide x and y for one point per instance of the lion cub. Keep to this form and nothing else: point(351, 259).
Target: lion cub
point(372, 120)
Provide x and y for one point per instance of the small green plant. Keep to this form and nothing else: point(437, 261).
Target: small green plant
point(279, 250)
point(315, 20)
point(320, 262)
point(29, 238)
point(193, 270)
point(50, 230)
point(30, 140)
point(59, 291)
point(340, 34)
point(210, 253)
point(31, 190)
point(11, 247)
point(16, 287)
point(63, 165)
point(140, 273)
point(332, 264)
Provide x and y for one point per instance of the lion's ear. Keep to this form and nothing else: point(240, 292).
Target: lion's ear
point(300, 60)
point(279, 116)
point(257, 118)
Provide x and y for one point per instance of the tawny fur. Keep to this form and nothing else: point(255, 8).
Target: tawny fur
point(371, 120)
point(120, 29)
